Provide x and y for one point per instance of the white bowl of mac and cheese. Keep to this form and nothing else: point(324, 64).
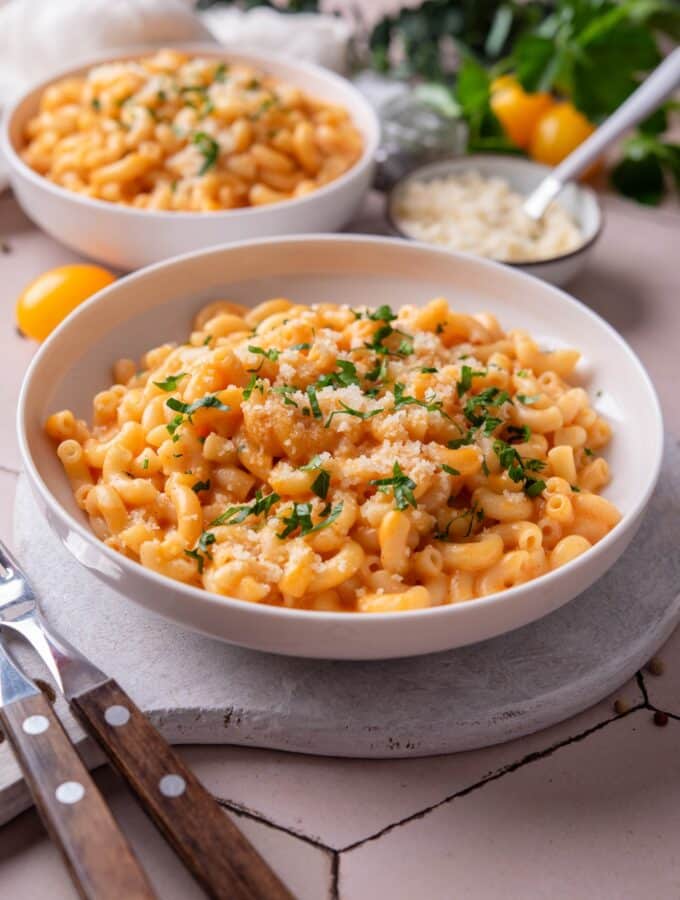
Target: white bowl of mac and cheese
point(135, 158)
point(339, 446)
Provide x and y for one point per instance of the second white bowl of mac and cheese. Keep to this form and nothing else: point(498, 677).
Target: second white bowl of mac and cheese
point(341, 447)
point(142, 156)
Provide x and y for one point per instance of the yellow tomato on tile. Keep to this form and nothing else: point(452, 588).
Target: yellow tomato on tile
point(516, 110)
point(47, 300)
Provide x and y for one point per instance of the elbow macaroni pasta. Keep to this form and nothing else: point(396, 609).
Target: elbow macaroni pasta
point(327, 458)
point(174, 132)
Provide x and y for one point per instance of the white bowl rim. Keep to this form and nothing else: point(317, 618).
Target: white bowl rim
point(189, 592)
point(371, 140)
point(469, 160)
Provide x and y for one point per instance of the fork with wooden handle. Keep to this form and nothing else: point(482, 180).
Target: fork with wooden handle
point(99, 859)
point(210, 845)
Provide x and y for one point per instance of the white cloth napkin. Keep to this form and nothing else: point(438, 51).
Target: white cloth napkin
point(40, 37)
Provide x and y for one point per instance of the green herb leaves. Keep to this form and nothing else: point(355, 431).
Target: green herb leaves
point(272, 354)
point(237, 514)
point(348, 411)
point(476, 409)
point(208, 148)
point(300, 519)
point(467, 373)
point(402, 399)
point(401, 485)
point(171, 382)
point(185, 411)
point(518, 467)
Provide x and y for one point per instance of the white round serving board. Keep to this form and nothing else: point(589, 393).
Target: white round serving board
point(200, 690)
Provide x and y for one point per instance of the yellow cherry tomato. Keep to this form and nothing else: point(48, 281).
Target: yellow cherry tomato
point(517, 111)
point(45, 302)
point(557, 133)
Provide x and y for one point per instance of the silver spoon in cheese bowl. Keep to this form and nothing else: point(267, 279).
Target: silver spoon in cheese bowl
point(650, 95)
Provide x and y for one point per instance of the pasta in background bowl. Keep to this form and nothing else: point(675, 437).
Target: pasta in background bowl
point(132, 158)
point(494, 429)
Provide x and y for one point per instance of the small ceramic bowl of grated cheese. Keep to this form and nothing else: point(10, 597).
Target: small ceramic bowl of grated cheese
point(474, 205)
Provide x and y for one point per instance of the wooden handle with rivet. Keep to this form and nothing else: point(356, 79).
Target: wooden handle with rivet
point(100, 860)
point(198, 829)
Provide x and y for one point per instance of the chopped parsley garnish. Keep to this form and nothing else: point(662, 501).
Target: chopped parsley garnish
point(517, 467)
point(475, 514)
point(575, 488)
point(348, 411)
point(313, 401)
point(189, 88)
point(518, 434)
point(171, 382)
point(467, 438)
point(186, 411)
point(237, 514)
point(198, 556)
point(450, 470)
point(145, 462)
point(405, 347)
point(253, 85)
point(209, 149)
point(528, 401)
point(201, 551)
point(533, 488)
point(253, 384)
point(207, 340)
point(588, 451)
point(96, 103)
point(209, 401)
point(440, 327)
point(286, 390)
point(491, 423)
point(301, 347)
point(476, 408)
point(379, 371)
point(467, 373)
point(301, 517)
point(321, 484)
point(402, 399)
point(205, 540)
point(344, 378)
point(382, 314)
point(272, 354)
point(221, 72)
point(522, 373)
point(402, 487)
point(201, 486)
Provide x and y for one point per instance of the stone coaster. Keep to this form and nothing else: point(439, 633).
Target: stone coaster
point(197, 690)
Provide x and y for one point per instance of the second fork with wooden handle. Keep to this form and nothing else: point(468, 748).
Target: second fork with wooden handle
point(214, 850)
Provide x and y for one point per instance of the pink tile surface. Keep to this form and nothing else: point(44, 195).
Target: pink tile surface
point(599, 818)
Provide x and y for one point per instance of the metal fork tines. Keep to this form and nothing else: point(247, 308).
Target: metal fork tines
point(19, 612)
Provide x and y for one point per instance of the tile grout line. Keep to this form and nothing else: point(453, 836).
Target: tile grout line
point(495, 776)
point(240, 810)
point(334, 893)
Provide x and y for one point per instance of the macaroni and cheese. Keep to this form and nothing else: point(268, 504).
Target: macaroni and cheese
point(176, 132)
point(330, 458)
